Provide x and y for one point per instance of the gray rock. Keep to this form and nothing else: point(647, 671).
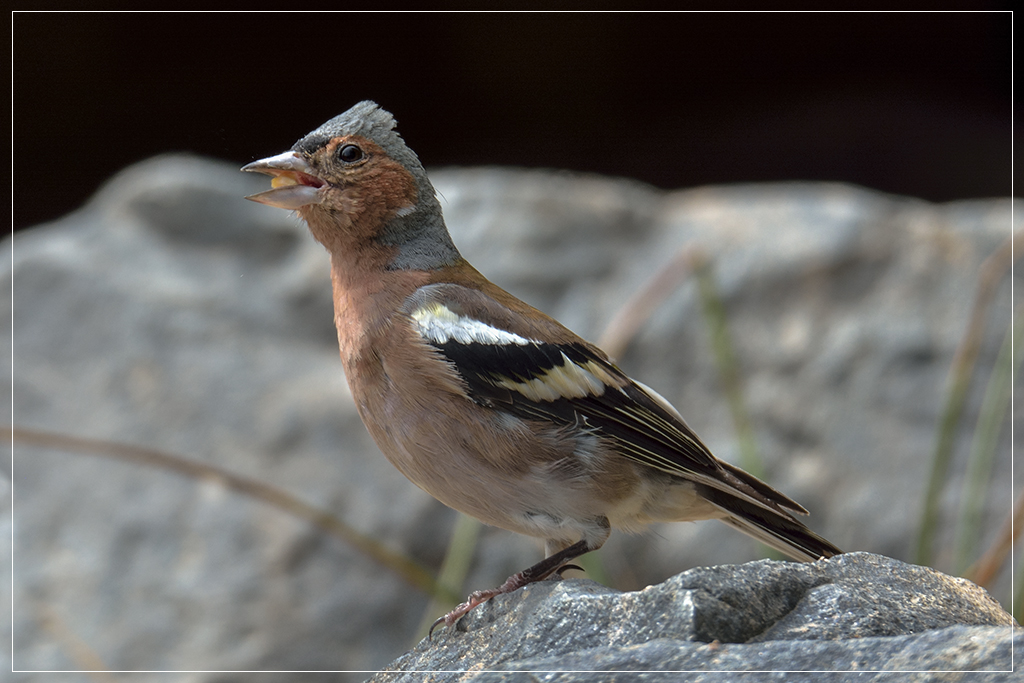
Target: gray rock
point(170, 313)
point(854, 612)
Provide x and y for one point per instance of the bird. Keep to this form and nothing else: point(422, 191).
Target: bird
point(489, 405)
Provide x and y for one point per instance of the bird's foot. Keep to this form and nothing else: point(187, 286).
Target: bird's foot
point(462, 610)
point(514, 582)
point(537, 572)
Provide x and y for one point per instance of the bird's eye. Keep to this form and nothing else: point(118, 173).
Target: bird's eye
point(350, 153)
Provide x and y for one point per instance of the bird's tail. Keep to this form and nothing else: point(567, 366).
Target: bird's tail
point(786, 535)
point(767, 517)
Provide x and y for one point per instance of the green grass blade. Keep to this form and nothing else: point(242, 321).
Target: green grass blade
point(985, 442)
point(457, 561)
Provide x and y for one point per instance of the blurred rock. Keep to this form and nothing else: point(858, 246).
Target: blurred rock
point(854, 612)
point(172, 314)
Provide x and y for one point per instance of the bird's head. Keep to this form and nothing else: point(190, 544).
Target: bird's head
point(356, 183)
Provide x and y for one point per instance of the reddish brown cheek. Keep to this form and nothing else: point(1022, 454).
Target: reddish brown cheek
point(383, 186)
point(396, 187)
point(366, 198)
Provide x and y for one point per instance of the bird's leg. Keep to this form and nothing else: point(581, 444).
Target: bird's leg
point(538, 572)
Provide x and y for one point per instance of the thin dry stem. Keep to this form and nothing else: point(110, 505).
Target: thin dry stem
point(634, 314)
point(992, 270)
point(409, 570)
point(86, 659)
point(985, 570)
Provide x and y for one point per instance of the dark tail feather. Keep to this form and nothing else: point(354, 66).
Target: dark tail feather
point(778, 530)
point(764, 489)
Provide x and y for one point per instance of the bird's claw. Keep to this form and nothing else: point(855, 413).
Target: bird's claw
point(567, 567)
point(462, 610)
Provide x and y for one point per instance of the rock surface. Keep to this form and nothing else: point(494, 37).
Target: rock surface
point(171, 314)
point(854, 612)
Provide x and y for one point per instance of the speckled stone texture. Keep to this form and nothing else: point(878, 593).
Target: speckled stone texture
point(854, 612)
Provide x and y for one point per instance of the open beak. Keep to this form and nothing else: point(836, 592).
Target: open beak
point(294, 184)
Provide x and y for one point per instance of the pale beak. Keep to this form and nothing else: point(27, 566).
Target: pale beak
point(294, 185)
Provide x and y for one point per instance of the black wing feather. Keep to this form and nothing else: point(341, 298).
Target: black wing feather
point(641, 428)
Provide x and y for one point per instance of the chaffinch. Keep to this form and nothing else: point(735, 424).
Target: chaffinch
point(481, 400)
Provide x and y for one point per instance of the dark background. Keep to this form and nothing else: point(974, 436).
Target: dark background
point(910, 103)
